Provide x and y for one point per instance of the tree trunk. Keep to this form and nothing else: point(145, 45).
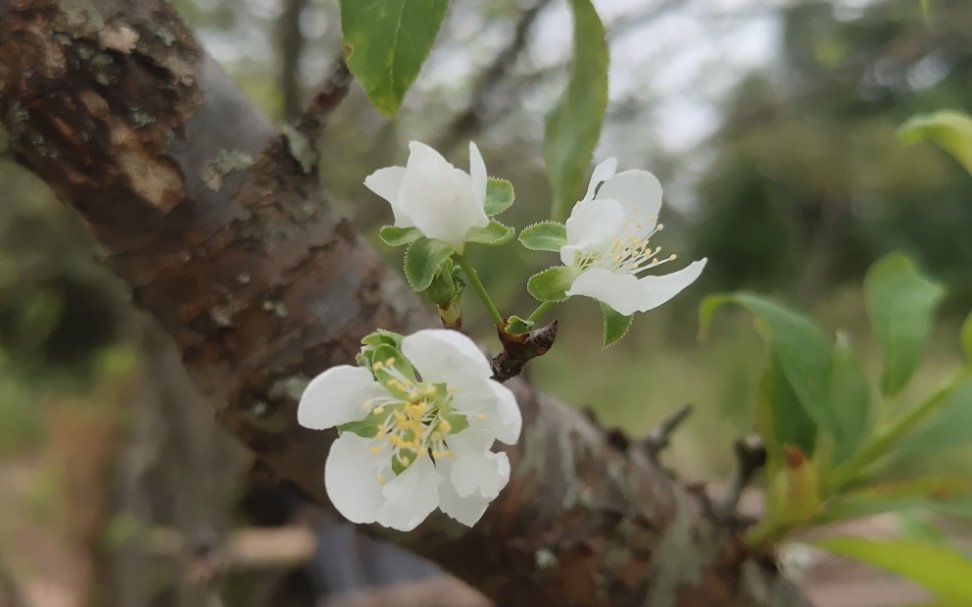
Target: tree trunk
point(226, 239)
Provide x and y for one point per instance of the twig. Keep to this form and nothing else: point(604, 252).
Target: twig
point(750, 457)
point(470, 119)
point(658, 438)
point(518, 350)
point(327, 99)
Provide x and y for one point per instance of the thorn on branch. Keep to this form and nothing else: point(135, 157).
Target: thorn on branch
point(518, 350)
point(750, 456)
point(658, 439)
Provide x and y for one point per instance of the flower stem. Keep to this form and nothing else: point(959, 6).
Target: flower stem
point(540, 311)
point(480, 290)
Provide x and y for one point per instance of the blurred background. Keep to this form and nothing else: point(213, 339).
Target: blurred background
point(771, 125)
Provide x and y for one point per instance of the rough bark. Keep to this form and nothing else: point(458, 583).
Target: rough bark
point(225, 239)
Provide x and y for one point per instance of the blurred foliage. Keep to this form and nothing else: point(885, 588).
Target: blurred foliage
point(809, 184)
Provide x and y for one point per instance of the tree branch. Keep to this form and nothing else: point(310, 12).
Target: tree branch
point(230, 245)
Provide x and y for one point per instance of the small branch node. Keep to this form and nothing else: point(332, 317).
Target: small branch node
point(659, 438)
point(518, 350)
point(750, 455)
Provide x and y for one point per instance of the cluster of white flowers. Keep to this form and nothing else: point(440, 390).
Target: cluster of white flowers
point(419, 419)
point(417, 432)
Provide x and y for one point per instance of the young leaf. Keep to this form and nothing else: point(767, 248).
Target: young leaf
point(951, 130)
point(551, 284)
point(801, 349)
point(386, 42)
point(499, 196)
point(518, 326)
point(422, 260)
point(900, 304)
point(573, 126)
point(792, 493)
point(615, 324)
point(850, 401)
point(937, 568)
point(544, 236)
point(494, 234)
point(395, 237)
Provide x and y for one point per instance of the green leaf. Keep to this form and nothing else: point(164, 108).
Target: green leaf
point(396, 464)
point(966, 340)
point(615, 324)
point(574, 124)
point(937, 568)
point(422, 261)
point(850, 401)
point(394, 236)
point(950, 130)
point(925, 493)
point(900, 304)
point(386, 42)
point(947, 428)
point(803, 353)
point(551, 284)
point(544, 236)
point(780, 418)
point(499, 196)
point(518, 326)
point(494, 234)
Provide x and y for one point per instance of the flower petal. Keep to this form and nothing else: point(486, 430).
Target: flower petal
point(387, 183)
point(484, 473)
point(438, 197)
point(441, 355)
point(351, 479)
point(467, 510)
point(477, 174)
point(620, 291)
point(639, 193)
point(628, 294)
point(656, 290)
point(336, 397)
point(411, 496)
point(602, 172)
point(591, 224)
point(492, 409)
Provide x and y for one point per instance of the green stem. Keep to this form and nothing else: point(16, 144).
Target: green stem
point(540, 311)
point(480, 290)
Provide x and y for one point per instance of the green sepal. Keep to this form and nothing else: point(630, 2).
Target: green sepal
point(447, 286)
point(499, 196)
point(552, 283)
point(423, 259)
point(616, 325)
point(544, 236)
point(395, 236)
point(382, 355)
point(369, 342)
point(493, 235)
point(397, 466)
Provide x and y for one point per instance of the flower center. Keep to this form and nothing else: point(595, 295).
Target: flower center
point(414, 420)
point(629, 252)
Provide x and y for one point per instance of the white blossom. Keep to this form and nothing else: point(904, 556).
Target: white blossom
point(411, 443)
point(430, 194)
point(608, 234)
